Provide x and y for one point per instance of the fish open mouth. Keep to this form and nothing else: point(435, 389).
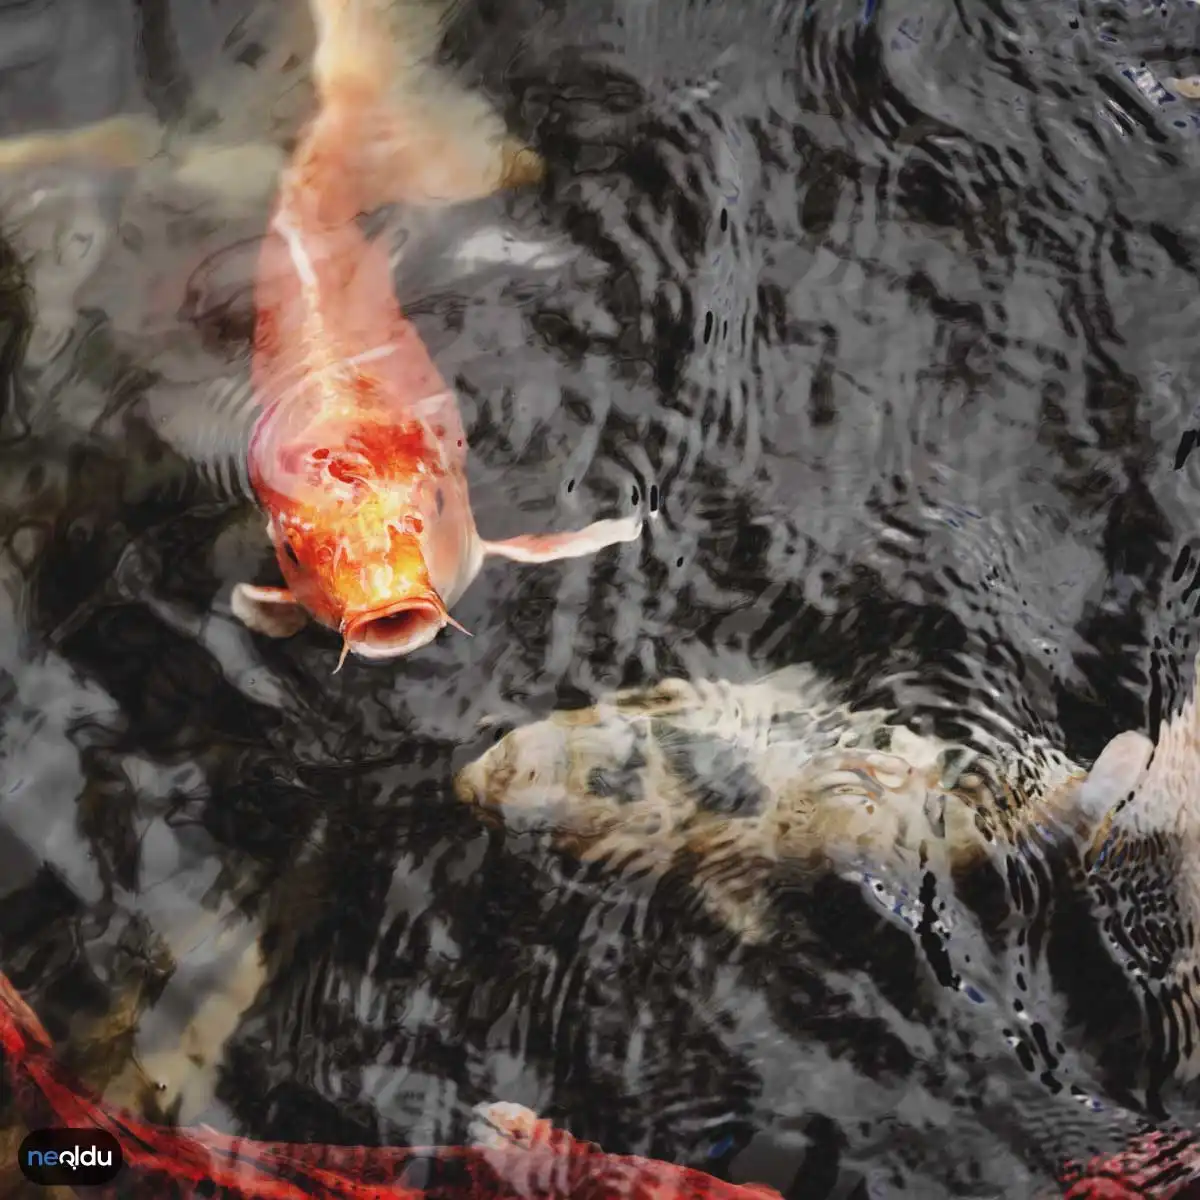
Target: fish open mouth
point(397, 629)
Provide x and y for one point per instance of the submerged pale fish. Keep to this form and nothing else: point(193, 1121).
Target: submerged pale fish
point(1060, 878)
point(737, 779)
point(729, 783)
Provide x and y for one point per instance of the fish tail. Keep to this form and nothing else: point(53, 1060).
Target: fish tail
point(368, 46)
point(392, 126)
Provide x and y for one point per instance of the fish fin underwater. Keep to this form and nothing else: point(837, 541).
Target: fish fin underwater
point(579, 543)
point(270, 611)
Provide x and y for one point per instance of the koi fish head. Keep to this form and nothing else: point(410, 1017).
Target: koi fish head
point(584, 773)
point(368, 578)
point(380, 572)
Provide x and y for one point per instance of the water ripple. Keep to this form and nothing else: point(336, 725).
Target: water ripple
point(889, 313)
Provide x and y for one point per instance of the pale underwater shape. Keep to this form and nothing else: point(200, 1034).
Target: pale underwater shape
point(736, 779)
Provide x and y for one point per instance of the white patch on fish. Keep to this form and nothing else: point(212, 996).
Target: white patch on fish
point(296, 249)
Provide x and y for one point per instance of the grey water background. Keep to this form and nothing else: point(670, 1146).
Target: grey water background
point(895, 306)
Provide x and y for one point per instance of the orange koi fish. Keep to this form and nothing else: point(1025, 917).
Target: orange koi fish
point(516, 1156)
point(359, 454)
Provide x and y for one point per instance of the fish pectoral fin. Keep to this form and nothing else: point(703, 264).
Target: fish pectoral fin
point(1188, 87)
point(737, 899)
point(1115, 774)
point(272, 611)
point(125, 141)
point(550, 547)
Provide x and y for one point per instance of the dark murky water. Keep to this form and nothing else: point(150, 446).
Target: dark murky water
point(897, 310)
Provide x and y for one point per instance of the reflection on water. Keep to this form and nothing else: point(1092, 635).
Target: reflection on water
point(896, 313)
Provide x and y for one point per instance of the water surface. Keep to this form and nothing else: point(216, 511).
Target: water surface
point(894, 309)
